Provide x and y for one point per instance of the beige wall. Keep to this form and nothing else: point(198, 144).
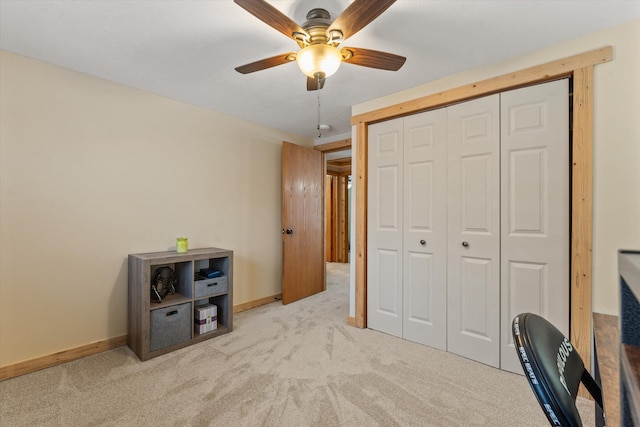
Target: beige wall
point(616, 142)
point(92, 171)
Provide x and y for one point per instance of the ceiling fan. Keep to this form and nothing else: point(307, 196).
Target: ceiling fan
point(319, 39)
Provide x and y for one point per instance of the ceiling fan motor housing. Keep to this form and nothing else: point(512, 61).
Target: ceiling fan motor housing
point(318, 20)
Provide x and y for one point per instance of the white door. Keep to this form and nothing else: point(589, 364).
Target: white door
point(474, 230)
point(384, 224)
point(468, 223)
point(535, 208)
point(425, 229)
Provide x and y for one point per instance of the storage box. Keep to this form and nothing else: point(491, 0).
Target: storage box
point(200, 319)
point(214, 286)
point(205, 318)
point(213, 325)
point(170, 325)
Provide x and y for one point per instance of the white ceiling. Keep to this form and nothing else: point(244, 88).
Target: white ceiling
point(187, 50)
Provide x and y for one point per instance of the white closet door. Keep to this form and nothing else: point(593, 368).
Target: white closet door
point(474, 230)
point(425, 229)
point(384, 224)
point(535, 208)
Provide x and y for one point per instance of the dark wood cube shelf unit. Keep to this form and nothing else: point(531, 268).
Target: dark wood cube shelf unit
point(156, 328)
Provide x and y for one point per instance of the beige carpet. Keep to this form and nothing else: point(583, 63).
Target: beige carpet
point(294, 365)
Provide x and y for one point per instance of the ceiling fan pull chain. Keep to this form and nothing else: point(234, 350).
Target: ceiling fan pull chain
point(318, 90)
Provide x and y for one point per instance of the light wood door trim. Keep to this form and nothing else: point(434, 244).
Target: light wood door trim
point(339, 167)
point(538, 74)
point(361, 225)
point(336, 218)
point(329, 224)
point(581, 68)
point(342, 212)
point(332, 147)
point(582, 214)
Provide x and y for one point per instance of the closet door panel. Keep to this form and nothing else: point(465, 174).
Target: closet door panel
point(476, 195)
point(535, 208)
point(418, 290)
point(473, 245)
point(475, 281)
point(387, 265)
point(384, 228)
point(424, 237)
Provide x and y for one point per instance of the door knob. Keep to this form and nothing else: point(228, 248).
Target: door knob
point(465, 244)
point(423, 242)
point(289, 231)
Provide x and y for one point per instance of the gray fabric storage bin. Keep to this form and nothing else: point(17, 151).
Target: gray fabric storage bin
point(170, 325)
point(214, 286)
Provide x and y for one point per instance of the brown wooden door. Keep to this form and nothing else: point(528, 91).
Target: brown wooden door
point(303, 268)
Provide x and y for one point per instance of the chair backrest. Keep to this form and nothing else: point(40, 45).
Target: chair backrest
point(553, 368)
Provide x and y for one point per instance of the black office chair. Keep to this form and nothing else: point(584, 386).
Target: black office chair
point(553, 367)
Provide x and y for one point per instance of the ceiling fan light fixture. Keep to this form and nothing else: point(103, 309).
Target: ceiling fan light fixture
point(319, 59)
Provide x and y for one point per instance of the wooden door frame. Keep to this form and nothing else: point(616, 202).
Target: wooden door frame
point(336, 203)
point(580, 67)
point(333, 147)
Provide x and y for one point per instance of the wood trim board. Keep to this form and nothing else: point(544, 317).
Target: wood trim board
point(336, 218)
point(32, 365)
point(256, 303)
point(582, 215)
point(332, 147)
point(580, 67)
point(361, 224)
point(64, 356)
point(538, 74)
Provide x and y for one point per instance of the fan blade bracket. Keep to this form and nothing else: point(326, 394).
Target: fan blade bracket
point(335, 37)
point(303, 39)
point(372, 58)
point(347, 54)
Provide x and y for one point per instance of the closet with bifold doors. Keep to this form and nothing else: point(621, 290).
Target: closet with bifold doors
point(468, 221)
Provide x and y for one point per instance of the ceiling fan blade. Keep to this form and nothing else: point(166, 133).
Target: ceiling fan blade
point(358, 15)
point(266, 63)
point(271, 16)
point(373, 58)
point(313, 84)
